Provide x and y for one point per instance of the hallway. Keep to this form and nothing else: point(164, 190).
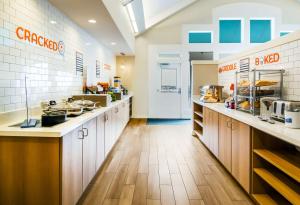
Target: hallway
point(162, 164)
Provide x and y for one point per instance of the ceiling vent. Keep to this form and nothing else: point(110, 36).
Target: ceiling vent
point(125, 2)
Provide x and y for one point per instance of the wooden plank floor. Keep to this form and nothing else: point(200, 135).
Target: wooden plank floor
point(162, 165)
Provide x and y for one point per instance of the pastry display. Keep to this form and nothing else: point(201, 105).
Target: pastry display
point(245, 91)
point(211, 93)
point(245, 105)
point(258, 83)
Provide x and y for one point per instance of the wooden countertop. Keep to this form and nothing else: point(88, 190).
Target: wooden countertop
point(277, 130)
point(57, 130)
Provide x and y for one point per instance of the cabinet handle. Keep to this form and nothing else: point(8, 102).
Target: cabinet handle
point(232, 126)
point(229, 124)
point(80, 133)
point(87, 132)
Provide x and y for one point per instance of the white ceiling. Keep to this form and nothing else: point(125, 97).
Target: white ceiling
point(104, 31)
point(157, 10)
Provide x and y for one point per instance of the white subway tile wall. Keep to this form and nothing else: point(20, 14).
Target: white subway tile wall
point(50, 75)
point(289, 60)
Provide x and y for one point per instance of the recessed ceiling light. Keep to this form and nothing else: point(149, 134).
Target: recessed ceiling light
point(113, 43)
point(92, 21)
point(53, 22)
point(87, 43)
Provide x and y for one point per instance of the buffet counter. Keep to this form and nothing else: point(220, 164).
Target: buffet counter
point(278, 129)
point(262, 157)
point(55, 165)
point(11, 128)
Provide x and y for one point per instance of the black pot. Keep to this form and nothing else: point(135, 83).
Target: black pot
point(53, 118)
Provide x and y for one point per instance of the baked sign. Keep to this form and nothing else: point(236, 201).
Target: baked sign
point(228, 67)
point(31, 37)
point(268, 59)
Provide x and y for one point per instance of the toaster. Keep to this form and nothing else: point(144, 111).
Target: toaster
point(279, 107)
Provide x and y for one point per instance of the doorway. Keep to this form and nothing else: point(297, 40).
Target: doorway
point(193, 56)
point(165, 82)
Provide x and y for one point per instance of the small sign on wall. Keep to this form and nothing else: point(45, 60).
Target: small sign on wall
point(228, 67)
point(107, 66)
point(42, 41)
point(267, 59)
point(98, 66)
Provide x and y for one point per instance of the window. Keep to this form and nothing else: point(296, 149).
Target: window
point(283, 33)
point(260, 31)
point(200, 37)
point(230, 31)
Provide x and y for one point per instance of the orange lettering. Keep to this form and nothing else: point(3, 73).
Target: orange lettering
point(18, 32)
point(39, 40)
point(276, 57)
point(55, 46)
point(46, 43)
point(34, 38)
point(50, 44)
point(27, 35)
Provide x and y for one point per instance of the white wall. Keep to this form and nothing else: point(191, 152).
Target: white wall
point(289, 52)
point(170, 32)
point(51, 75)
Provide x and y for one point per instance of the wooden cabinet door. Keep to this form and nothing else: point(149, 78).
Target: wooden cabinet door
point(206, 127)
point(108, 131)
point(89, 151)
point(225, 141)
point(214, 133)
point(241, 153)
point(72, 167)
point(100, 150)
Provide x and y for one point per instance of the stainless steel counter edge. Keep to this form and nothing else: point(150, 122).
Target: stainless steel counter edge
point(57, 130)
point(277, 130)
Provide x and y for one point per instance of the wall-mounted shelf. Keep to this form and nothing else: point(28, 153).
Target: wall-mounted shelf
point(282, 188)
point(198, 133)
point(197, 120)
point(280, 161)
point(275, 170)
point(198, 113)
point(264, 199)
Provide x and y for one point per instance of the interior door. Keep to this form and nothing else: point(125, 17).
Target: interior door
point(165, 91)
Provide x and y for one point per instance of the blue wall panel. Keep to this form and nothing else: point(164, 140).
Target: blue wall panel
point(230, 31)
point(284, 33)
point(260, 31)
point(200, 37)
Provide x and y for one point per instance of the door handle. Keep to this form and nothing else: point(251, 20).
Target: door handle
point(179, 90)
point(87, 132)
point(80, 133)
